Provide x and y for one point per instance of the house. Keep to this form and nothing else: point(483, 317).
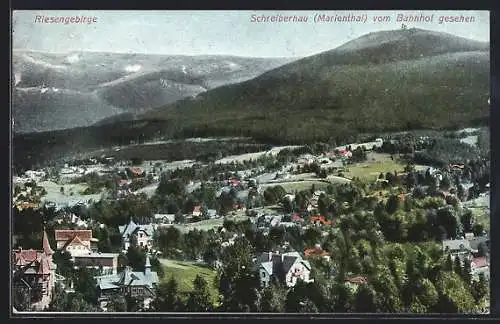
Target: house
point(319, 220)
point(164, 219)
point(239, 207)
point(142, 234)
point(34, 275)
point(234, 182)
point(26, 205)
point(137, 172)
point(480, 265)
point(460, 248)
point(197, 212)
point(107, 262)
point(355, 281)
point(124, 183)
point(212, 213)
point(76, 242)
point(141, 285)
point(288, 268)
point(288, 224)
point(36, 176)
point(296, 218)
point(316, 251)
point(345, 154)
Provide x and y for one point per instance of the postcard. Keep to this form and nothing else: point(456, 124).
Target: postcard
point(321, 162)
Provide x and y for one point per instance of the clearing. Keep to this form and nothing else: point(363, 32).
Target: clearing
point(298, 185)
point(70, 196)
point(185, 272)
point(209, 224)
point(376, 163)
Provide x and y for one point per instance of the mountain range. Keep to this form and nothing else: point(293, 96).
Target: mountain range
point(54, 91)
point(383, 81)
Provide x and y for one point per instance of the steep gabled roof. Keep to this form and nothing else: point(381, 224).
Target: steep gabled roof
point(358, 280)
point(479, 262)
point(289, 261)
point(76, 240)
point(65, 235)
point(128, 278)
point(268, 266)
point(46, 245)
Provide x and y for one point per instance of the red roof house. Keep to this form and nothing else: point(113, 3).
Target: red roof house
point(137, 171)
point(196, 211)
point(34, 269)
point(315, 252)
point(479, 262)
point(124, 183)
point(320, 220)
point(357, 280)
point(75, 241)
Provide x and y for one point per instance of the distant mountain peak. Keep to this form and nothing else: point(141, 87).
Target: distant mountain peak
point(416, 35)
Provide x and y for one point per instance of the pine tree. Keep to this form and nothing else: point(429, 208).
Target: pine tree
point(457, 266)
point(467, 271)
point(480, 288)
point(199, 299)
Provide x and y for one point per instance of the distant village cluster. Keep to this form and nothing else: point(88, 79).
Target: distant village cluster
point(287, 191)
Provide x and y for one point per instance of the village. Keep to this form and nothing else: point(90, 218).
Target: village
point(307, 215)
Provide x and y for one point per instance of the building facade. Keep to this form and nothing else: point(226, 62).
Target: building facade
point(141, 285)
point(287, 268)
point(33, 277)
point(141, 234)
point(76, 242)
point(107, 263)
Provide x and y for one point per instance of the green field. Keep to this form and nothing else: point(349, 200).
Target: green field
point(208, 224)
point(300, 185)
point(482, 215)
point(203, 225)
point(185, 272)
point(377, 163)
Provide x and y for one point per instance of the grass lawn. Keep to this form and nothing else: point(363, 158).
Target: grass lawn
point(72, 192)
point(377, 163)
point(206, 225)
point(482, 215)
point(185, 273)
point(203, 225)
point(302, 185)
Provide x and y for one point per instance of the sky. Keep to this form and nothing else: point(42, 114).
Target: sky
point(218, 32)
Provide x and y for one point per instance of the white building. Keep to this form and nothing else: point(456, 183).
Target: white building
point(288, 268)
point(143, 234)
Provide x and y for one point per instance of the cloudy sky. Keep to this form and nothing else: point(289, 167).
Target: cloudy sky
point(216, 32)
